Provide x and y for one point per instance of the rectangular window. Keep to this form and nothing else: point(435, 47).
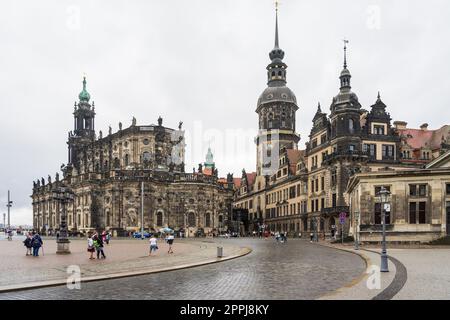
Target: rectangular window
point(250, 204)
point(422, 190)
point(323, 183)
point(312, 185)
point(413, 190)
point(323, 139)
point(379, 130)
point(312, 206)
point(317, 204)
point(377, 213)
point(292, 192)
point(334, 200)
point(314, 143)
point(387, 152)
point(447, 187)
point(317, 185)
point(322, 203)
point(422, 212)
point(412, 213)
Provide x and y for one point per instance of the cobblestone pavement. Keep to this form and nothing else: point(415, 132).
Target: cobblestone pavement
point(122, 256)
point(295, 270)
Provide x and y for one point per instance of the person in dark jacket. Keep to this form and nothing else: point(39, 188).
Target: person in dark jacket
point(98, 244)
point(36, 243)
point(27, 244)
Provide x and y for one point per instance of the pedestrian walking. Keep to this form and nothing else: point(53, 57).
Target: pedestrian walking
point(57, 236)
point(311, 236)
point(170, 239)
point(36, 243)
point(153, 244)
point(91, 247)
point(98, 244)
point(108, 237)
point(27, 244)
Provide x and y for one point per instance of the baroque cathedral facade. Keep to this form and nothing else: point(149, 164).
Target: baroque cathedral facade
point(305, 191)
point(120, 176)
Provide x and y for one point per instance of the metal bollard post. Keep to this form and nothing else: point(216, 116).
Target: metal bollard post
point(219, 252)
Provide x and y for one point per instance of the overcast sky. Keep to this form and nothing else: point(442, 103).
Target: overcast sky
point(203, 62)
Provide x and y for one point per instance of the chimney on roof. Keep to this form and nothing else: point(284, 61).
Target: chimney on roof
point(424, 127)
point(400, 125)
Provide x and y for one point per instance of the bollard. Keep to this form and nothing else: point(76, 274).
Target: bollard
point(219, 252)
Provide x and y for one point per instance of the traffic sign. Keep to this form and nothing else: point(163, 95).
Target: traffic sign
point(342, 217)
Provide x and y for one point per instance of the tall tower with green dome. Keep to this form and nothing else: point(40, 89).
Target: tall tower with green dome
point(84, 124)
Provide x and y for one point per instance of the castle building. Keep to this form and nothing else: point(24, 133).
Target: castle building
point(298, 191)
point(111, 177)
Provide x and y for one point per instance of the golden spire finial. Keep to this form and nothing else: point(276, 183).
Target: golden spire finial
point(277, 3)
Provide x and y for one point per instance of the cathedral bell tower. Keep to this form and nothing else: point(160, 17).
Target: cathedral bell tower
point(84, 125)
point(276, 110)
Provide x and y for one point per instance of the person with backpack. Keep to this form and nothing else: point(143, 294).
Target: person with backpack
point(27, 244)
point(36, 243)
point(98, 244)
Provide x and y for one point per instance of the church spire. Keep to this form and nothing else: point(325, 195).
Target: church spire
point(276, 70)
point(276, 25)
point(84, 96)
point(345, 74)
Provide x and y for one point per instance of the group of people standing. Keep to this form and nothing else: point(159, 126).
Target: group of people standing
point(33, 242)
point(96, 243)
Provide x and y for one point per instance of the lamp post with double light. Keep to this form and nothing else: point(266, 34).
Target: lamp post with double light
point(384, 197)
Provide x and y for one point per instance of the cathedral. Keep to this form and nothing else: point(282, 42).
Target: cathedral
point(138, 171)
point(306, 191)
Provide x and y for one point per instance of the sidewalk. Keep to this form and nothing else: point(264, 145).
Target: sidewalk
point(427, 274)
point(359, 288)
point(123, 258)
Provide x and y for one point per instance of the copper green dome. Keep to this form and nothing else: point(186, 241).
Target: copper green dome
point(84, 96)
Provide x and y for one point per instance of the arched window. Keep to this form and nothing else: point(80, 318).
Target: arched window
point(108, 218)
point(208, 220)
point(191, 219)
point(351, 126)
point(116, 163)
point(159, 218)
point(146, 156)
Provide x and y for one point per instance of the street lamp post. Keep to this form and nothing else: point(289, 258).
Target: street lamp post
point(64, 196)
point(9, 205)
point(315, 229)
point(142, 210)
point(384, 196)
point(356, 230)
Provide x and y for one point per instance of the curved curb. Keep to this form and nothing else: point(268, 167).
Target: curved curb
point(363, 276)
point(52, 283)
point(397, 284)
